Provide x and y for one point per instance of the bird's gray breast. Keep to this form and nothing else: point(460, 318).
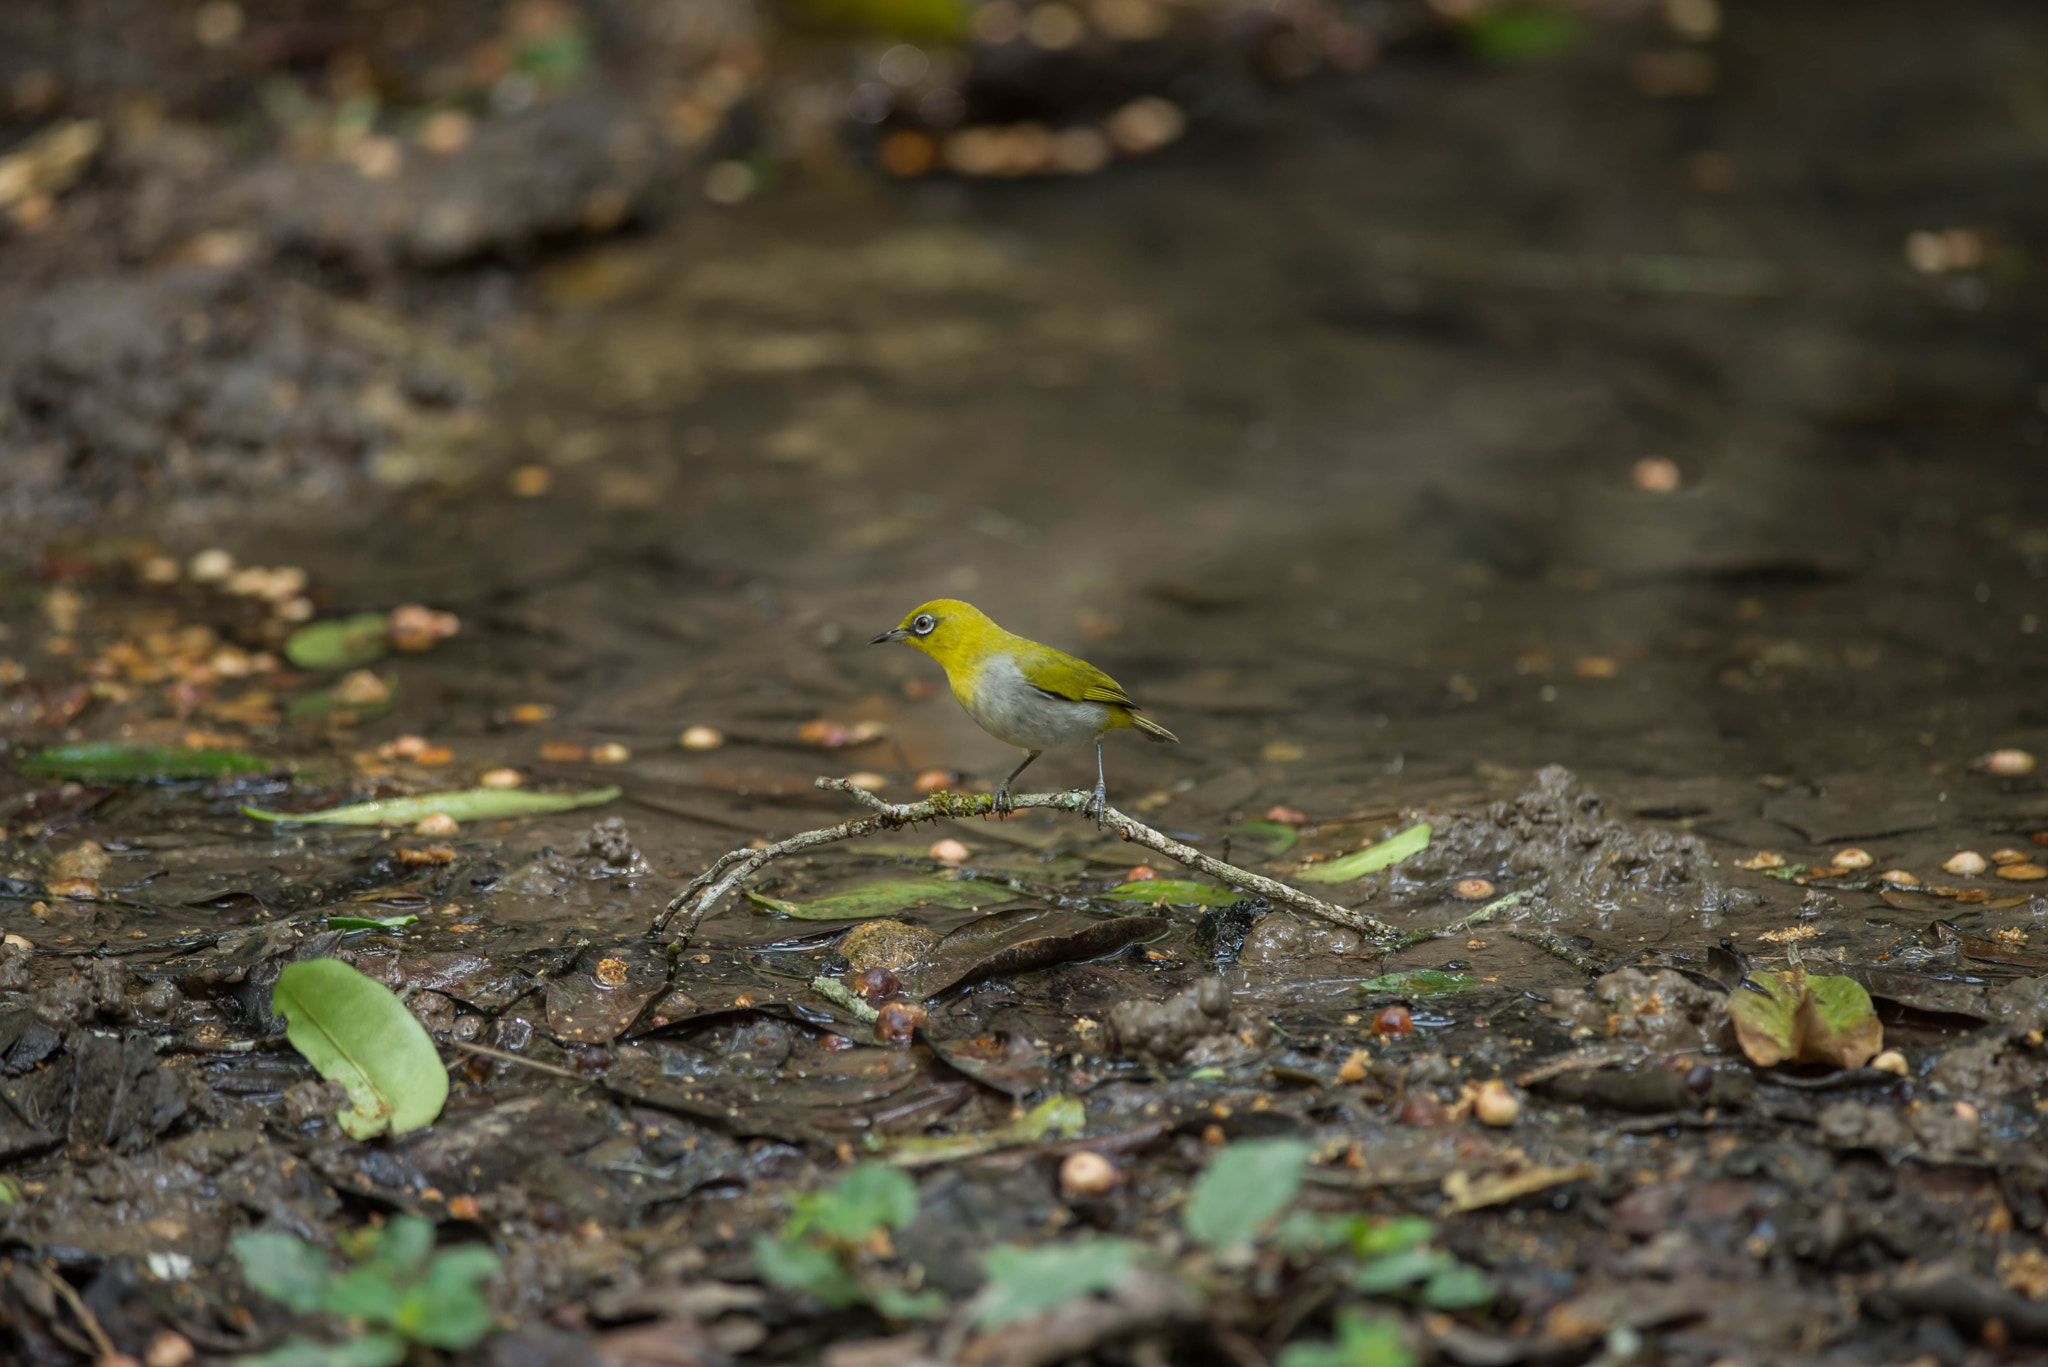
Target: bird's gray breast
point(1012, 710)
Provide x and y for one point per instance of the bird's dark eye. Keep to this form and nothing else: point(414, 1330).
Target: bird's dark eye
point(924, 624)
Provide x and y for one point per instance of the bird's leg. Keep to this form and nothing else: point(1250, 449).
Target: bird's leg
point(1003, 804)
point(1100, 801)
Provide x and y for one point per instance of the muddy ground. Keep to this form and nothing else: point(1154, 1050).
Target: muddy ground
point(1628, 471)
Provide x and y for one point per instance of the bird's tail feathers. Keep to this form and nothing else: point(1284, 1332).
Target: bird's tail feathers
point(1153, 731)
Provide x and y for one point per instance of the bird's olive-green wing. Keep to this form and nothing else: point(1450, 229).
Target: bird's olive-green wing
point(1059, 675)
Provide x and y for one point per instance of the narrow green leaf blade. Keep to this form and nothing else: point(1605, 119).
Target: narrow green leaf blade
point(887, 896)
point(1023, 1282)
point(369, 922)
point(1419, 982)
point(1371, 859)
point(1245, 1186)
point(466, 804)
point(345, 643)
point(1392, 1271)
point(1275, 838)
point(355, 1031)
point(105, 762)
point(1178, 892)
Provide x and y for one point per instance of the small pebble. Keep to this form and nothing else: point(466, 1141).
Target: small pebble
point(1494, 1104)
point(1852, 858)
point(934, 781)
point(563, 752)
point(1422, 1109)
point(74, 889)
point(1087, 1174)
point(949, 852)
point(1282, 752)
point(361, 688)
point(1965, 864)
point(1898, 878)
point(501, 778)
point(437, 823)
point(1761, 860)
point(702, 738)
point(531, 713)
point(414, 628)
point(898, 1022)
point(1472, 890)
point(2009, 856)
point(18, 941)
point(1965, 1111)
point(2008, 763)
point(210, 566)
point(1656, 475)
point(530, 481)
point(877, 984)
point(2023, 873)
point(1891, 1061)
point(867, 782)
point(172, 1349)
point(611, 752)
point(1355, 1068)
point(1393, 1022)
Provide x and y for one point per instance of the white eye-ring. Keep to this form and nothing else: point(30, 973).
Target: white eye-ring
point(924, 624)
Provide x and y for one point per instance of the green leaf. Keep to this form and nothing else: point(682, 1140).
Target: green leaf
point(1523, 33)
point(796, 1265)
point(1275, 838)
point(1056, 1116)
point(1245, 1186)
point(1178, 892)
point(346, 643)
point(1457, 1287)
point(896, 1304)
point(448, 1308)
point(369, 1350)
point(355, 1031)
point(284, 1267)
point(402, 1245)
point(364, 1293)
point(1023, 1282)
point(1819, 1019)
point(1391, 1236)
point(887, 897)
point(1361, 1342)
point(466, 804)
point(105, 762)
point(1419, 982)
point(1371, 859)
point(324, 702)
point(873, 1196)
point(369, 922)
point(1392, 1271)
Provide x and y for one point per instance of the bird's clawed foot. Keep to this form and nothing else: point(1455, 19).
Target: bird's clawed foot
point(1004, 804)
point(1098, 804)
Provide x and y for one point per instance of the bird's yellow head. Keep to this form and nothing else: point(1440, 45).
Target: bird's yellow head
point(948, 630)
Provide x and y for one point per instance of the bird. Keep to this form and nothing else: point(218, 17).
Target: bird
point(1021, 692)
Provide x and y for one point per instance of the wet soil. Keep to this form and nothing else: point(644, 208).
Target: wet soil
point(1319, 433)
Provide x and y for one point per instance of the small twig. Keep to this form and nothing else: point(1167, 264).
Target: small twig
point(1461, 925)
point(711, 886)
point(1562, 948)
point(101, 1344)
point(503, 1057)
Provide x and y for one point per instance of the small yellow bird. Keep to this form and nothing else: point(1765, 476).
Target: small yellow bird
point(1019, 691)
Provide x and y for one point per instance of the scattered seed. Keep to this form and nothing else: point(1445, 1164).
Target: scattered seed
point(702, 738)
point(2009, 856)
point(210, 566)
point(829, 734)
point(1087, 1174)
point(435, 754)
point(437, 823)
point(897, 1023)
point(1472, 890)
point(433, 856)
point(1355, 1068)
point(361, 688)
point(934, 781)
point(2023, 873)
point(1393, 1022)
point(1144, 873)
point(1494, 1104)
point(610, 972)
point(531, 713)
point(611, 752)
point(1595, 667)
point(1282, 752)
point(1898, 878)
point(2008, 763)
point(563, 752)
point(867, 782)
point(1852, 858)
point(1214, 1137)
point(949, 852)
point(1965, 1111)
point(463, 1207)
point(1762, 859)
point(1656, 475)
point(413, 627)
point(1891, 1061)
point(158, 569)
point(1789, 934)
point(1965, 864)
point(530, 481)
point(1286, 816)
point(501, 778)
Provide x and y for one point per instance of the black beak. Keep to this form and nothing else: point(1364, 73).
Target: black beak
point(893, 634)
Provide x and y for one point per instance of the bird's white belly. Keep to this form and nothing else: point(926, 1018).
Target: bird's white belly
point(1012, 710)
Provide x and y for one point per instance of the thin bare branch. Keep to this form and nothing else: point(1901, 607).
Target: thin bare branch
point(710, 887)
